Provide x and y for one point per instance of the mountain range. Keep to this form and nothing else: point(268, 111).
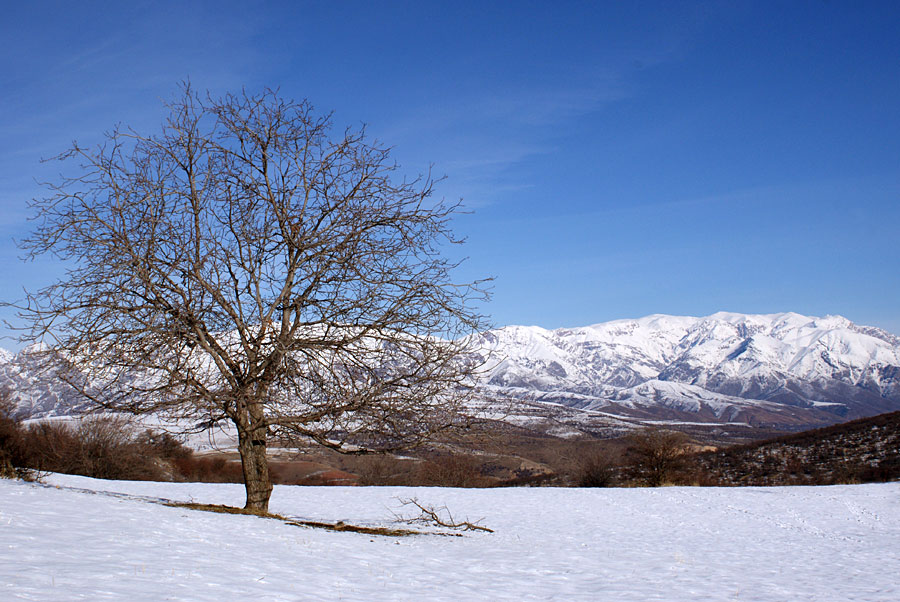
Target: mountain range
point(784, 371)
point(777, 370)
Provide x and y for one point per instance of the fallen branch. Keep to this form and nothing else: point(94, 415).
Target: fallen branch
point(441, 517)
point(338, 526)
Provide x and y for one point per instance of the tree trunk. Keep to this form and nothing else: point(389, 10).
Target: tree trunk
point(252, 446)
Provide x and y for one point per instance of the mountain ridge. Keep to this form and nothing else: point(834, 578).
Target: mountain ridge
point(782, 370)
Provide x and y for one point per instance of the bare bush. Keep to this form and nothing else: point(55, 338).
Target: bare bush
point(597, 470)
point(658, 454)
point(452, 470)
point(99, 447)
point(206, 470)
point(12, 444)
point(163, 445)
point(379, 470)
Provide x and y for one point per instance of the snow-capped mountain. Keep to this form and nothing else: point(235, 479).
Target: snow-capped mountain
point(35, 387)
point(778, 369)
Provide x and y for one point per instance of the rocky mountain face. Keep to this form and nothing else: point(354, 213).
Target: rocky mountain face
point(784, 371)
point(779, 370)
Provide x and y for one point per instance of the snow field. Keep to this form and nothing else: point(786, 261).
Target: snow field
point(86, 539)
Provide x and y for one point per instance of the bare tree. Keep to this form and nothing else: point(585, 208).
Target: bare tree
point(246, 266)
point(659, 454)
point(597, 469)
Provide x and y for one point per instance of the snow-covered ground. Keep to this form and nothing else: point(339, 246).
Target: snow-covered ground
point(74, 540)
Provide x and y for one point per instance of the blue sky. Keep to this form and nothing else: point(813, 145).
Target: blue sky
point(621, 159)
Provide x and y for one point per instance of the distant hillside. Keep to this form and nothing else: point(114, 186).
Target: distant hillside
point(861, 451)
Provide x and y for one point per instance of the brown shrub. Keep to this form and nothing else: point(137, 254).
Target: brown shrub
point(163, 445)
point(101, 447)
point(658, 455)
point(12, 447)
point(597, 470)
point(207, 470)
point(379, 469)
point(452, 470)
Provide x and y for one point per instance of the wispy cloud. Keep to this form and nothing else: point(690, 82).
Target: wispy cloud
point(477, 139)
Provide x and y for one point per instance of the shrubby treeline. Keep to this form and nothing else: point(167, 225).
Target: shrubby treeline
point(103, 447)
point(866, 450)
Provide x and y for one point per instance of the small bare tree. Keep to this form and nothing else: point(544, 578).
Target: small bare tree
point(244, 266)
point(597, 470)
point(658, 453)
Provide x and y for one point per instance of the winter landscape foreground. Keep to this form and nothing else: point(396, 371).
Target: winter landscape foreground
point(79, 538)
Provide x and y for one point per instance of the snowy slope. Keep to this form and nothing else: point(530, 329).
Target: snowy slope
point(79, 542)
